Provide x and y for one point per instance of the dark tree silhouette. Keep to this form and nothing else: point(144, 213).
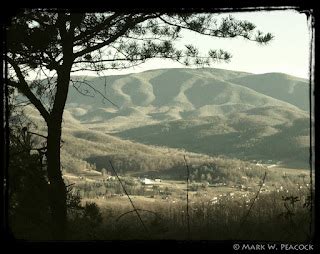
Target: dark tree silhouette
point(29, 215)
point(58, 44)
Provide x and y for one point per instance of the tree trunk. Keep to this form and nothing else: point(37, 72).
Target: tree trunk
point(57, 190)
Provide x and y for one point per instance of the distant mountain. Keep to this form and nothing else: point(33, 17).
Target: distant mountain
point(162, 95)
point(208, 111)
point(280, 86)
point(266, 133)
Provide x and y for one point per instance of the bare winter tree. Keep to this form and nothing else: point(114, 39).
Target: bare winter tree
point(58, 44)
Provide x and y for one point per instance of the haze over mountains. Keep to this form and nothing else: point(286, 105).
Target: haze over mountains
point(206, 111)
point(211, 111)
point(173, 94)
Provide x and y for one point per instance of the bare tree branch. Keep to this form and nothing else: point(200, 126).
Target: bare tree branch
point(134, 208)
point(37, 134)
point(188, 176)
point(94, 89)
point(24, 88)
point(138, 210)
point(253, 201)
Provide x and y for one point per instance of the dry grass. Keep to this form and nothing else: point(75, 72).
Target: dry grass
point(210, 219)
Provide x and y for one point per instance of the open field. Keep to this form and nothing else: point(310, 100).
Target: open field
point(215, 212)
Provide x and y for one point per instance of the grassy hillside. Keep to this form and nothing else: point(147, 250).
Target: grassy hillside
point(163, 95)
point(262, 133)
point(88, 152)
point(280, 86)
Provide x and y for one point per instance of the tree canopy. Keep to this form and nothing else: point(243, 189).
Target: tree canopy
point(37, 41)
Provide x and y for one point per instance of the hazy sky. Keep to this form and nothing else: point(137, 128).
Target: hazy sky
point(287, 53)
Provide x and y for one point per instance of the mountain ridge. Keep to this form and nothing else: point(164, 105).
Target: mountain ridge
point(207, 111)
point(155, 95)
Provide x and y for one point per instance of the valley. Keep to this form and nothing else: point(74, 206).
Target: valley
point(240, 136)
point(212, 112)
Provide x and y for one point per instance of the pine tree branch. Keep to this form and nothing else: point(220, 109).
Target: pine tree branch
point(130, 24)
point(89, 34)
point(217, 32)
point(103, 60)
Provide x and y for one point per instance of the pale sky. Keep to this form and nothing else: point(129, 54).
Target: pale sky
point(287, 53)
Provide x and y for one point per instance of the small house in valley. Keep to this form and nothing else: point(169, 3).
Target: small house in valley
point(146, 181)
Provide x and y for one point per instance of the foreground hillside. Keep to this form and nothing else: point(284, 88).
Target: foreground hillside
point(89, 152)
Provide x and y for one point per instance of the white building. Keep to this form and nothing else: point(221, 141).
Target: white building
point(147, 181)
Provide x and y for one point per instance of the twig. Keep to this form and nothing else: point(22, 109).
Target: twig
point(188, 174)
point(94, 89)
point(37, 134)
point(79, 91)
point(125, 191)
point(255, 198)
point(70, 185)
point(134, 211)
